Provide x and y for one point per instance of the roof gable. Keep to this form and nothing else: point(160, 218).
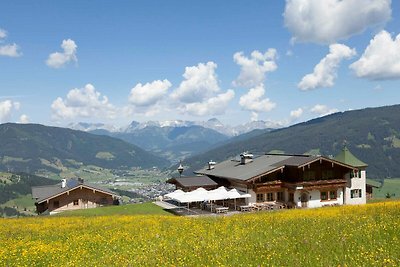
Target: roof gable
point(345, 156)
point(44, 193)
point(262, 165)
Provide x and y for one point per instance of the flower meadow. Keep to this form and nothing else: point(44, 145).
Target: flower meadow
point(365, 235)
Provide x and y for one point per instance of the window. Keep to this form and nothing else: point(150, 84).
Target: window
point(76, 202)
point(291, 197)
point(324, 195)
point(56, 204)
point(279, 196)
point(260, 197)
point(355, 174)
point(332, 194)
point(270, 196)
point(355, 193)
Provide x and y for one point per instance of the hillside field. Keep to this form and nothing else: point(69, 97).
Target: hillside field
point(338, 236)
point(389, 187)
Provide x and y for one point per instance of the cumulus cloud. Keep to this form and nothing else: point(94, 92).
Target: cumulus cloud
point(323, 110)
point(381, 59)
point(212, 106)
point(83, 102)
point(295, 114)
point(23, 119)
point(57, 59)
point(8, 50)
point(150, 93)
point(331, 20)
point(200, 83)
point(3, 33)
point(254, 68)
point(6, 109)
point(325, 71)
point(254, 102)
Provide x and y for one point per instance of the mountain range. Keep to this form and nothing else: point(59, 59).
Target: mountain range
point(173, 140)
point(213, 124)
point(372, 134)
point(33, 147)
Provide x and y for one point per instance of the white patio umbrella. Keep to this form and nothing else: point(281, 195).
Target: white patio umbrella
point(174, 194)
point(234, 194)
point(217, 194)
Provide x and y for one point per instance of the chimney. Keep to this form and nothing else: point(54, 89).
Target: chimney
point(63, 183)
point(245, 158)
point(81, 181)
point(211, 165)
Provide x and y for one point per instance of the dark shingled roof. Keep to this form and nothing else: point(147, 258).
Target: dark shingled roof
point(260, 165)
point(194, 181)
point(42, 193)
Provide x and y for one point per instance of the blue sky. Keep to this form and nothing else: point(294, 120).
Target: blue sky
point(118, 61)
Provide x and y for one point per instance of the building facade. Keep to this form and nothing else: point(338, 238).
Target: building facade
point(295, 180)
point(71, 195)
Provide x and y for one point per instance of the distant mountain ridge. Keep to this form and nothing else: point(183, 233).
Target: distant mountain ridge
point(173, 140)
point(372, 134)
point(172, 143)
point(213, 124)
point(31, 147)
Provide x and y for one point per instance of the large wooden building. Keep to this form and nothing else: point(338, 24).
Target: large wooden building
point(296, 180)
point(71, 194)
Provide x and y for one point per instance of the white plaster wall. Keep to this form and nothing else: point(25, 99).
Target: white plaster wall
point(253, 198)
point(356, 183)
point(315, 200)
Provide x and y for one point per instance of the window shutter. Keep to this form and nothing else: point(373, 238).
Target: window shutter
point(359, 192)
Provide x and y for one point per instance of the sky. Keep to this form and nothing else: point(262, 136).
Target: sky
point(238, 61)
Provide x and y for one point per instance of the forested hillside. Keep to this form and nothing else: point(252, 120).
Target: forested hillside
point(31, 147)
point(372, 134)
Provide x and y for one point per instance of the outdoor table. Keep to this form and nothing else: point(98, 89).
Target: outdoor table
point(245, 208)
point(221, 209)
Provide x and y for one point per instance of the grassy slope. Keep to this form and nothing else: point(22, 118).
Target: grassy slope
point(365, 235)
point(391, 186)
point(133, 209)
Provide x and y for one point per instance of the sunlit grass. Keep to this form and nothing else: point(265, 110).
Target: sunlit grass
point(365, 235)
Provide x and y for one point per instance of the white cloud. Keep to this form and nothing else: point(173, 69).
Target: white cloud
point(8, 50)
point(381, 59)
point(200, 83)
point(3, 33)
point(16, 105)
point(6, 108)
point(211, 107)
point(323, 110)
point(83, 102)
point(325, 71)
point(23, 119)
point(295, 114)
point(253, 101)
point(57, 59)
point(253, 69)
point(328, 21)
point(149, 93)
